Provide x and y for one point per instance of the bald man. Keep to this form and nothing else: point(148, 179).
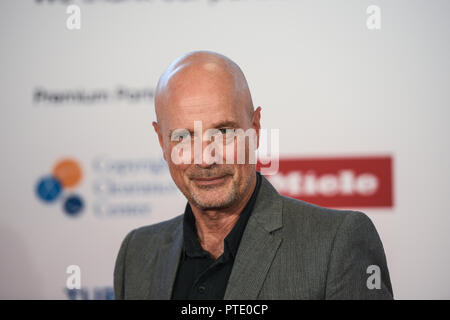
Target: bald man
point(238, 238)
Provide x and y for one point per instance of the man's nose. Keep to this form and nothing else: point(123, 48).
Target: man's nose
point(208, 155)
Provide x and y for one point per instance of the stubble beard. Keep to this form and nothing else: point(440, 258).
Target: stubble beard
point(219, 197)
point(214, 197)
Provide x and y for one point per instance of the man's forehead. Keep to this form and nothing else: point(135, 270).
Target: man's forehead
point(210, 111)
point(203, 104)
point(208, 117)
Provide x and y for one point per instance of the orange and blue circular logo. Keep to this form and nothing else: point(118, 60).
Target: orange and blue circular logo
point(66, 175)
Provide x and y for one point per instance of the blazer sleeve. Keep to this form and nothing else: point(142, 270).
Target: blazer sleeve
point(119, 269)
point(357, 265)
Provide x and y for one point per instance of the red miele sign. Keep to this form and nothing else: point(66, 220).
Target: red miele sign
point(348, 182)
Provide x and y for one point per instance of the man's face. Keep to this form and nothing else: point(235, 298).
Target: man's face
point(215, 105)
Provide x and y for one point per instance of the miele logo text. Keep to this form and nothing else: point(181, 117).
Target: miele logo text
point(337, 182)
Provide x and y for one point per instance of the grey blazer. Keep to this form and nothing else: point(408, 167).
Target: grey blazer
point(290, 249)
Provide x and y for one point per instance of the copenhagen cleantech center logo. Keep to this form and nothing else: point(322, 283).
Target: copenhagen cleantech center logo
point(59, 184)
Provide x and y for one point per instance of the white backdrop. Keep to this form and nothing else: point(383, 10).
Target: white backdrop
point(320, 75)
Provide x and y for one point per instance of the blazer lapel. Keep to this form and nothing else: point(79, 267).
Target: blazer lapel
point(166, 267)
point(258, 246)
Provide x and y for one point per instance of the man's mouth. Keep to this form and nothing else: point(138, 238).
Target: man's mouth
point(210, 180)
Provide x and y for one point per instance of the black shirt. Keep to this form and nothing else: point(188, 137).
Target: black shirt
point(198, 275)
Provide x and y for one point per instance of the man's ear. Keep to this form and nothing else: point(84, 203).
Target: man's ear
point(160, 138)
point(256, 123)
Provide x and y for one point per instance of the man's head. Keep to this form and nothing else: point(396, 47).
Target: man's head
point(208, 87)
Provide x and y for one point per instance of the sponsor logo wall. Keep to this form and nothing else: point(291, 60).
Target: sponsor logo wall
point(361, 116)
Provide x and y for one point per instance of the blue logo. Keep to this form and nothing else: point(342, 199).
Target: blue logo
point(66, 174)
point(73, 205)
point(48, 189)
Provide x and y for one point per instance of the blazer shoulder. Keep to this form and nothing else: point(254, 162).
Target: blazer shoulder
point(137, 249)
point(160, 230)
point(317, 218)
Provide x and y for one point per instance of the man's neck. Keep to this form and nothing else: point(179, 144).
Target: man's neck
point(214, 225)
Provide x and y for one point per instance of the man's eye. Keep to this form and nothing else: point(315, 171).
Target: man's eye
point(181, 136)
point(228, 131)
point(228, 135)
